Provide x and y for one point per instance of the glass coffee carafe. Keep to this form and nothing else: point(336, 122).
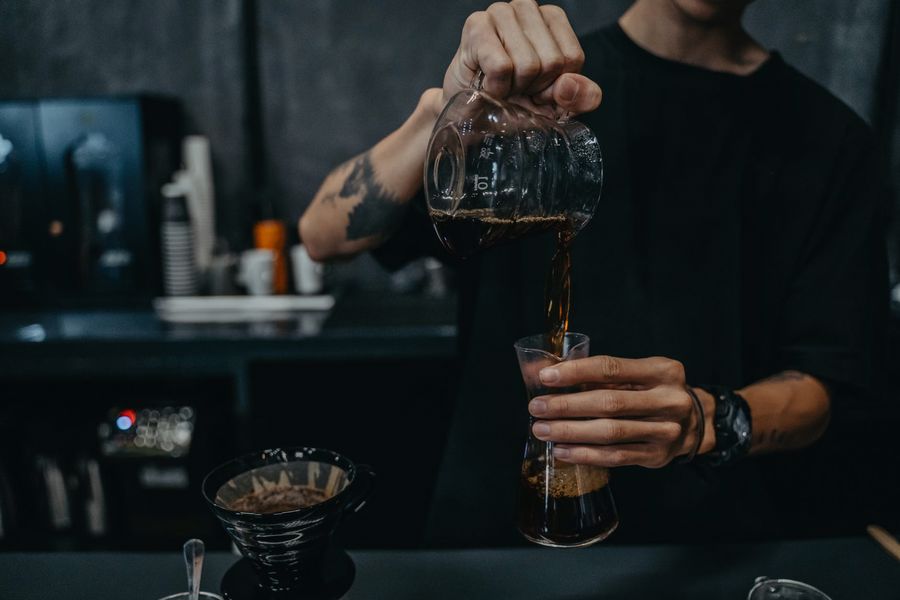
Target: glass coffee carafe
point(495, 171)
point(560, 504)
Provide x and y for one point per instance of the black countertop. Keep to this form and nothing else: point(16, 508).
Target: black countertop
point(846, 569)
point(383, 326)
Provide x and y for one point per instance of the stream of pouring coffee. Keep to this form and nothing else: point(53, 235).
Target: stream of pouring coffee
point(465, 231)
point(558, 291)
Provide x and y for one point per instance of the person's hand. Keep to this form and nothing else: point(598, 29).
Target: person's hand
point(529, 54)
point(638, 413)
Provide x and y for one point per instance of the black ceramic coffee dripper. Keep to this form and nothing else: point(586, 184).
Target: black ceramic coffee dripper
point(292, 553)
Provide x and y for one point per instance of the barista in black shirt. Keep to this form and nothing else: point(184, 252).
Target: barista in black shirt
point(738, 242)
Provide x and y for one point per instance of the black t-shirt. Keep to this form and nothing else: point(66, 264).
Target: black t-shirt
point(739, 231)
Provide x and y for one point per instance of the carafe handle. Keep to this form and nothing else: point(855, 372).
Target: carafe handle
point(362, 487)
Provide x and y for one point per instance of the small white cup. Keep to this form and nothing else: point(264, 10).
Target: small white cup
point(257, 271)
point(307, 272)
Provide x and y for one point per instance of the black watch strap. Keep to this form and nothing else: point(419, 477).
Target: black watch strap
point(733, 426)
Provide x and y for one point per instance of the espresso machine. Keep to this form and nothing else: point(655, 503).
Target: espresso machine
point(20, 199)
point(79, 197)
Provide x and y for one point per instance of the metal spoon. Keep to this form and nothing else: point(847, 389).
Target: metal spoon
point(193, 559)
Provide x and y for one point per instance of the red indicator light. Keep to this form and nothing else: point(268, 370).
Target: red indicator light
point(126, 419)
point(3, 258)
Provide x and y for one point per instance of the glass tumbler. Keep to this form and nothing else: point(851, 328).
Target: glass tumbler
point(561, 504)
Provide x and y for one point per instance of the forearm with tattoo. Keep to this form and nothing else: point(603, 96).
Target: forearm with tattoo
point(377, 212)
point(363, 202)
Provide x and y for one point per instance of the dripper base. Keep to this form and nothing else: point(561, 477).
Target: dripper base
point(242, 583)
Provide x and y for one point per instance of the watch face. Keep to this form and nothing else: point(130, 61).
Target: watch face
point(733, 428)
point(722, 406)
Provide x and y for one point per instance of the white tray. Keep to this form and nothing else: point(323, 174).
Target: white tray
point(233, 309)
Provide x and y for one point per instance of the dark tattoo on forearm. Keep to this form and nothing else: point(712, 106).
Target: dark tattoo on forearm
point(787, 376)
point(377, 212)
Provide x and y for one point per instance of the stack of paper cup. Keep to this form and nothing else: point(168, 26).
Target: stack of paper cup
point(179, 271)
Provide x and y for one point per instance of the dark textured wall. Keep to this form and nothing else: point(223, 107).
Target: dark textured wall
point(836, 42)
point(336, 75)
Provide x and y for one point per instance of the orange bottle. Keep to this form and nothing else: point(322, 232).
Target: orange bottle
point(271, 235)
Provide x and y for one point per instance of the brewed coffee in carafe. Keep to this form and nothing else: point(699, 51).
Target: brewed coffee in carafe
point(495, 172)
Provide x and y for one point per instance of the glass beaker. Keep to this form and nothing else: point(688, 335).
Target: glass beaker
point(560, 504)
point(784, 589)
point(495, 171)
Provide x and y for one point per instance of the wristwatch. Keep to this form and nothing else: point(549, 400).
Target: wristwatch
point(732, 424)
